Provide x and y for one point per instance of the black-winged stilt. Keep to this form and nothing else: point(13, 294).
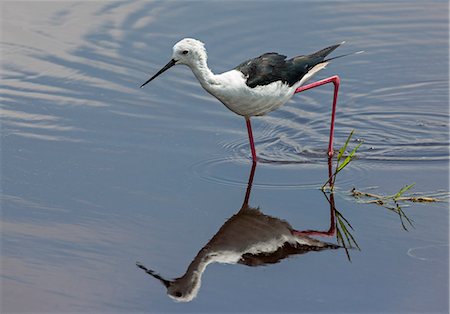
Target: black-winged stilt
point(256, 86)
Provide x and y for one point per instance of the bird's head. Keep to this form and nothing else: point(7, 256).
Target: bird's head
point(187, 51)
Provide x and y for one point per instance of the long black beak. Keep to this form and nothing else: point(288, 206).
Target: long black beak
point(165, 68)
point(165, 282)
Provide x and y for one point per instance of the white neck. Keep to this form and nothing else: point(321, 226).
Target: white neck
point(204, 75)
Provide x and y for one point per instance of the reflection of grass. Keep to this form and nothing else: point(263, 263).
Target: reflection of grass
point(343, 234)
point(345, 162)
point(341, 227)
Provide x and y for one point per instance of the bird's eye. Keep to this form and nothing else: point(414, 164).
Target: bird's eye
point(178, 294)
point(185, 52)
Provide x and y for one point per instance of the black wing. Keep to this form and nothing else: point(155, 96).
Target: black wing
point(271, 67)
point(264, 69)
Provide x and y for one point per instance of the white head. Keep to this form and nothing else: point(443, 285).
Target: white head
point(188, 51)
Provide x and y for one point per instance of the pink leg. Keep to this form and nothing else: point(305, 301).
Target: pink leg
point(250, 137)
point(335, 80)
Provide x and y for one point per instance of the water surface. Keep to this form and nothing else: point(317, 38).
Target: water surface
point(98, 174)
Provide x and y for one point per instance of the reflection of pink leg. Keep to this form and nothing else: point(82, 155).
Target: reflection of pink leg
point(250, 137)
point(249, 184)
point(328, 233)
point(335, 80)
point(332, 229)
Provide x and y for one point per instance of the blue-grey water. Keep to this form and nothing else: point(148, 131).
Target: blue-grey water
point(97, 174)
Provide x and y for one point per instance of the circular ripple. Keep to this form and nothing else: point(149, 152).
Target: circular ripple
point(234, 171)
point(401, 136)
point(276, 150)
point(432, 252)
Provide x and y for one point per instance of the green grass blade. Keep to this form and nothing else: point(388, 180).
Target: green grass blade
point(343, 148)
point(348, 158)
point(402, 190)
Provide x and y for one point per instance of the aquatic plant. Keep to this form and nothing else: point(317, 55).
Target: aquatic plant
point(394, 202)
point(345, 162)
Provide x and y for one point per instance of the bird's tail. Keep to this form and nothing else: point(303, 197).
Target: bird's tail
point(321, 54)
point(344, 55)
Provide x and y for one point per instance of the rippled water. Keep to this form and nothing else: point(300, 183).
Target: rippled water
point(98, 174)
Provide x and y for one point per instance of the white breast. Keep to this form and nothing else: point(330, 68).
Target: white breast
point(231, 90)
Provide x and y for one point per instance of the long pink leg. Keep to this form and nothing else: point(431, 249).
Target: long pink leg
point(335, 80)
point(250, 137)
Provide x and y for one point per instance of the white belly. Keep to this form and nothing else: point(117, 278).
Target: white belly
point(232, 91)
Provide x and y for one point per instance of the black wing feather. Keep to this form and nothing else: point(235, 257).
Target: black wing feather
point(271, 67)
point(264, 69)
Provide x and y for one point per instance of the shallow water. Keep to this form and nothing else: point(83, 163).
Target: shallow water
point(98, 174)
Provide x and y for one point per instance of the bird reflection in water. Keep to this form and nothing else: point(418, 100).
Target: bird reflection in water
point(250, 238)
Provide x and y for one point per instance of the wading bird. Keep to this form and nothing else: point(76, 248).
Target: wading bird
point(256, 86)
